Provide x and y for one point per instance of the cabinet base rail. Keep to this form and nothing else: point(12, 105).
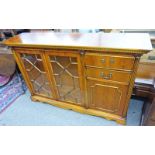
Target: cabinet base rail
point(76, 108)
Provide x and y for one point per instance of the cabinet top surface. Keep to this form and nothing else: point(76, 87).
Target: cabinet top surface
point(94, 41)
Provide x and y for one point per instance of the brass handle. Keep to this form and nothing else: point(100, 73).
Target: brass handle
point(103, 60)
point(112, 60)
point(109, 76)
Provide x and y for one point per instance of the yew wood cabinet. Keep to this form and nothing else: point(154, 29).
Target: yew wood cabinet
point(89, 73)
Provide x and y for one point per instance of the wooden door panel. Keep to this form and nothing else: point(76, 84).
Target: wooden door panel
point(106, 96)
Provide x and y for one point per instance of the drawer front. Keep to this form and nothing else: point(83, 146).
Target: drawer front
point(105, 74)
point(109, 61)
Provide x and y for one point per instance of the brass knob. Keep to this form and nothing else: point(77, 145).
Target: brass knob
point(82, 52)
point(101, 74)
point(112, 60)
point(103, 60)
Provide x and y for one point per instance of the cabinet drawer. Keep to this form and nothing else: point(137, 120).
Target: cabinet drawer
point(109, 61)
point(106, 74)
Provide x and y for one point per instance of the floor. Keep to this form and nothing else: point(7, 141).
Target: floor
point(24, 112)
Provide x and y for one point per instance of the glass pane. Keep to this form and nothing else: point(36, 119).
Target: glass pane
point(35, 69)
point(65, 71)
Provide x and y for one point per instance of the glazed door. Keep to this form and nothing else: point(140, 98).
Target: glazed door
point(105, 96)
point(33, 68)
point(66, 71)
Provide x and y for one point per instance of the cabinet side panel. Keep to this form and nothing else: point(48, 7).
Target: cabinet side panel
point(131, 86)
